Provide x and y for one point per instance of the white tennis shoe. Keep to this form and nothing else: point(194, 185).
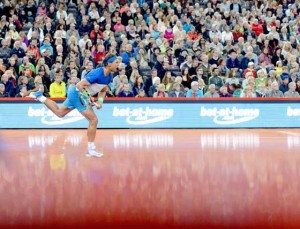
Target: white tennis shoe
point(93, 153)
point(35, 95)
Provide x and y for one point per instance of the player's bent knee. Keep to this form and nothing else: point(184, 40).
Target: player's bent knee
point(94, 120)
point(60, 115)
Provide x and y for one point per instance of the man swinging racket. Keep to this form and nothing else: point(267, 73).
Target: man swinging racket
point(81, 98)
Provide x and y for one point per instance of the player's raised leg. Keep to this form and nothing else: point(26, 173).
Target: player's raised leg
point(52, 105)
point(90, 115)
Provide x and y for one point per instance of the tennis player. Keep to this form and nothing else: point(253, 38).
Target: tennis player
point(80, 97)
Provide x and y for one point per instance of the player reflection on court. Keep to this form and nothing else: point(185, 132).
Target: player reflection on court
point(46, 140)
point(229, 140)
point(143, 140)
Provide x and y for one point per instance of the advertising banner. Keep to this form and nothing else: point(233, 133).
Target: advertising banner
point(158, 115)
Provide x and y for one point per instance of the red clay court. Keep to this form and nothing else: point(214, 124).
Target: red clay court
point(240, 178)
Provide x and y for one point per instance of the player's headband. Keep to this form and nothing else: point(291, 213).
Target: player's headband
point(112, 59)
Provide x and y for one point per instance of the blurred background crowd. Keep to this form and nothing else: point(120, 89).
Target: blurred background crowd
point(169, 48)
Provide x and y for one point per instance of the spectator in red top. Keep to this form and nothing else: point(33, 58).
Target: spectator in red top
point(99, 54)
point(237, 33)
point(250, 69)
point(257, 28)
point(96, 31)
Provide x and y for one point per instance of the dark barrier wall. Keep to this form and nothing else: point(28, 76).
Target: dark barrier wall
point(166, 113)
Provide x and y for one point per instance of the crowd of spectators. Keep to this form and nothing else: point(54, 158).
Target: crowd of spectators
point(169, 48)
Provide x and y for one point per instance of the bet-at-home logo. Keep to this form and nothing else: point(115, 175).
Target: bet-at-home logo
point(229, 115)
point(143, 116)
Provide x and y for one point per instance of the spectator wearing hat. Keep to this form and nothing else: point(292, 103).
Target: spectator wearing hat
point(170, 58)
point(232, 62)
point(284, 86)
point(12, 33)
point(46, 53)
point(182, 55)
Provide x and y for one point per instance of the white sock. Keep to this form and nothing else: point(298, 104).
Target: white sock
point(42, 99)
point(91, 145)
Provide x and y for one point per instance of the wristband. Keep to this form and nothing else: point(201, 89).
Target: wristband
point(100, 99)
